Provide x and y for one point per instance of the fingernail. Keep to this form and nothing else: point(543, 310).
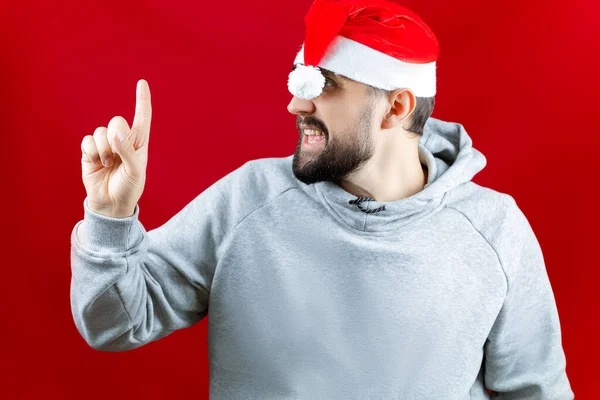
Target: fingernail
point(120, 136)
point(107, 162)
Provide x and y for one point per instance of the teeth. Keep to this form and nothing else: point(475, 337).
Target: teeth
point(312, 132)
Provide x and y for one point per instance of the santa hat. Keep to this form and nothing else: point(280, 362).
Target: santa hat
point(375, 42)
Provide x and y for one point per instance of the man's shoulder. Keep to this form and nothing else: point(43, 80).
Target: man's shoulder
point(503, 224)
point(493, 213)
point(254, 184)
point(479, 198)
point(268, 176)
point(270, 169)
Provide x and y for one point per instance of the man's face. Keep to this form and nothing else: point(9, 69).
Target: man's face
point(343, 115)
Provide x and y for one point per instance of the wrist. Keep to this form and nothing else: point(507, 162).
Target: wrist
point(111, 211)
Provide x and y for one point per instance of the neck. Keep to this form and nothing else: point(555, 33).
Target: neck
point(393, 173)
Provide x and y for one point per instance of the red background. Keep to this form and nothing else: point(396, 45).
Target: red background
point(520, 76)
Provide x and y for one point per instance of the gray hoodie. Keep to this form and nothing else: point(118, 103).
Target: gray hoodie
point(437, 296)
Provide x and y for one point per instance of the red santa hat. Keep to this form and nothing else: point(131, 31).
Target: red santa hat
point(375, 42)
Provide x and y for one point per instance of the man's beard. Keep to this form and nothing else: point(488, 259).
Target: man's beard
point(346, 154)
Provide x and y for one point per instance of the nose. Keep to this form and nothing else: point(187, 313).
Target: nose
point(300, 106)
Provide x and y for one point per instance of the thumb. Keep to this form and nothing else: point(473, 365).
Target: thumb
point(123, 146)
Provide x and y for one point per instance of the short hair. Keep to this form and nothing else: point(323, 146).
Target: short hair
point(423, 110)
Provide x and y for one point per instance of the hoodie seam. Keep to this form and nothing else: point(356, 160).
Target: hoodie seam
point(263, 206)
point(486, 240)
point(225, 242)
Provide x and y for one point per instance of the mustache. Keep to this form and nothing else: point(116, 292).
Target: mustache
point(311, 121)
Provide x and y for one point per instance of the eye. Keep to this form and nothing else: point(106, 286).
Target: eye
point(329, 82)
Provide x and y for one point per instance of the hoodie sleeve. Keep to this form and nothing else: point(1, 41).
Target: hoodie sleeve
point(130, 287)
point(524, 358)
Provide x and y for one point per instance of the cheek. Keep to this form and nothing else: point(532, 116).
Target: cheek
point(339, 111)
point(338, 119)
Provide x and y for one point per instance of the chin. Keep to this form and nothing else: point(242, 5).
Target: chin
point(304, 171)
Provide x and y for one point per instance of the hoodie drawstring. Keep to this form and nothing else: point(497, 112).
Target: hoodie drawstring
point(359, 200)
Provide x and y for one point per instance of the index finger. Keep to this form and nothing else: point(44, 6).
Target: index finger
point(143, 115)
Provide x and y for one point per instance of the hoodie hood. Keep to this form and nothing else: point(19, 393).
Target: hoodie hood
point(447, 151)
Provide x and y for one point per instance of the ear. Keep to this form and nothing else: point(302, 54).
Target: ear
point(402, 103)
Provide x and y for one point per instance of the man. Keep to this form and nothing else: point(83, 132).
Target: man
point(367, 265)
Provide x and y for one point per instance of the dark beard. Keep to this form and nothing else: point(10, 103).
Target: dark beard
point(345, 155)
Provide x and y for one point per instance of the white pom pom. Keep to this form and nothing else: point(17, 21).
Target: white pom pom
point(306, 82)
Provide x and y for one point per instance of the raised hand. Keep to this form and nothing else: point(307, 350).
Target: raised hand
point(114, 171)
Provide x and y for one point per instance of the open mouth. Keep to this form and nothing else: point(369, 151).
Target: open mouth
point(312, 136)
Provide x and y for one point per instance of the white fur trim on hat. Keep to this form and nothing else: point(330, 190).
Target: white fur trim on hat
point(363, 64)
